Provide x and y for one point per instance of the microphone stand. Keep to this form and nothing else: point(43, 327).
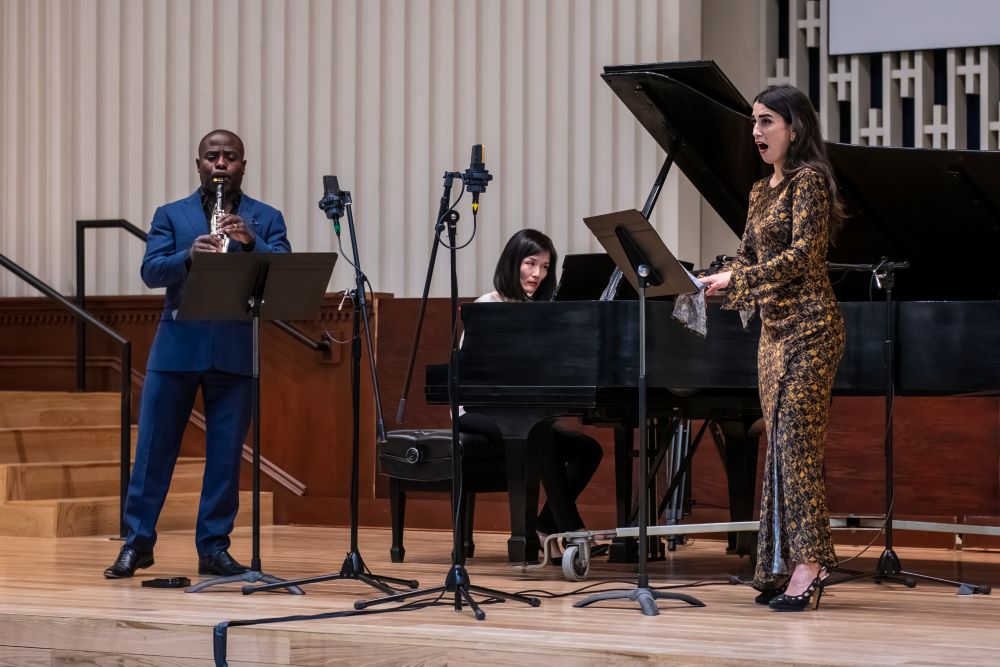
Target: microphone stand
point(457, 582)
point(889, 567)
point(353, 566)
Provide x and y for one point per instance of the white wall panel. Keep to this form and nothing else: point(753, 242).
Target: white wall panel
point(104, 101)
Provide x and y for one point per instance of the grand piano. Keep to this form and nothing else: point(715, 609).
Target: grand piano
point(527, 364)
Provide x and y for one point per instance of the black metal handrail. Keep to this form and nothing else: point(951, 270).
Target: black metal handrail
point(81, 286)
point(126, 385)
point(321, 346)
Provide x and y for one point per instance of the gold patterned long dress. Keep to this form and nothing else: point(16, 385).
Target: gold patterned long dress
point(780, 270)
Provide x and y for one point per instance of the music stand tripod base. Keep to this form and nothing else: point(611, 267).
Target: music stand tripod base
point(250, 577)
point(646, 597)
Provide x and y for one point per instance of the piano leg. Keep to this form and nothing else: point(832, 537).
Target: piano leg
point(741, 452)
point(623, 550)
point(524, 465)
point(524, 474)
point(626, 549)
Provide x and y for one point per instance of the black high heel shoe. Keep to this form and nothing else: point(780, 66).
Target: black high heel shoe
point(784, 602)
point(766, 596)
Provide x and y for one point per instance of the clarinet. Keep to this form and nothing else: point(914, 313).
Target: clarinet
point(218, 214)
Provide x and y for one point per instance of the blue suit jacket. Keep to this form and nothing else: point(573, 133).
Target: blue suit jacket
point(199, 345)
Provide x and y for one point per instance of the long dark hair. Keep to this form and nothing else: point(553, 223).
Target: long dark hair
point(808, 149)
point(507, 277)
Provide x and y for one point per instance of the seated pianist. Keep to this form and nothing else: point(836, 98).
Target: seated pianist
point(569, 458)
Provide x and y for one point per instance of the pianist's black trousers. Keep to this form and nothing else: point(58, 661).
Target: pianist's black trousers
point(569, 460)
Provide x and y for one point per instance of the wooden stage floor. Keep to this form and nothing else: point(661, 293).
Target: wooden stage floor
point(57, 609)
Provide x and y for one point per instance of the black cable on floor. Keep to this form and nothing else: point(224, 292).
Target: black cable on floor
point(712, 580)
point(220, 632)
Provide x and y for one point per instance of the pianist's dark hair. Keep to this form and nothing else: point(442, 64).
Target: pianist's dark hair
point(808, 149)
point(507, 277)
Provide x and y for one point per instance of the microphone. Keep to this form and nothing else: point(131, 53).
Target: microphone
point(332, 202)
point(719, 262)
point(476, 176)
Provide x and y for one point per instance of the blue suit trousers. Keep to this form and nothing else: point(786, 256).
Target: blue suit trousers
point(167, 400)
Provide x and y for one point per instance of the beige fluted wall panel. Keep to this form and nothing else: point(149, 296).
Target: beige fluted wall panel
point(103, 102)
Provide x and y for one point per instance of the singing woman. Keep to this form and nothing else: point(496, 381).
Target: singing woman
point(780, 271)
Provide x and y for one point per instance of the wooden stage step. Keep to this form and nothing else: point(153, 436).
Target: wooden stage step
point(58, 408)
point(61, 611)
point(36, 444)
point(76, 479)
point(59, 469)
point(70, 517)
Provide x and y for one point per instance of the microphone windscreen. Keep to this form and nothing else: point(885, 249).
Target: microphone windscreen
point(330, 185)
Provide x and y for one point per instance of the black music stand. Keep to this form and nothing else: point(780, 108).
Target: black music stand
point(255, 286)
point(651, 269)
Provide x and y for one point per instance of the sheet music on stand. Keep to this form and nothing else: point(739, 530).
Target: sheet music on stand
point(293, 290)
point(690, 308)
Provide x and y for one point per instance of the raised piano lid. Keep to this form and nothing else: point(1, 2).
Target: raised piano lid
point(937, 209)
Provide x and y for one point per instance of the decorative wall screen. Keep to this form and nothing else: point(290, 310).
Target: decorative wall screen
point(942, 98)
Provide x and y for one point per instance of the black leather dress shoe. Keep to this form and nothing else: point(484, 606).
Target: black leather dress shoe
point(221, 564)
point(129, 560)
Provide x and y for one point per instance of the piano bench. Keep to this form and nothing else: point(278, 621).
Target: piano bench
point(420, 460)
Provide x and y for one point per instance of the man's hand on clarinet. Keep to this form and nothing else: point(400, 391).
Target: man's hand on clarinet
point(234, 227)
point(207, 243)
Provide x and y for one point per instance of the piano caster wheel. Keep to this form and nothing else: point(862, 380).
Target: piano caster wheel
point(576, 562)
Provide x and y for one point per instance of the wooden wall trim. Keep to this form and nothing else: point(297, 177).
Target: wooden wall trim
point(947, 449)
point(306, 425)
